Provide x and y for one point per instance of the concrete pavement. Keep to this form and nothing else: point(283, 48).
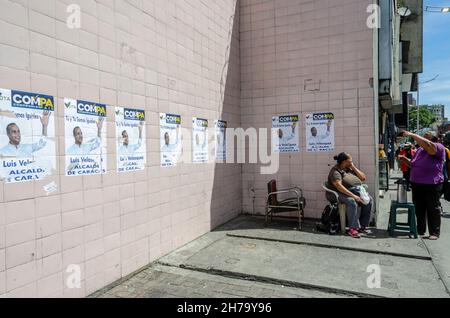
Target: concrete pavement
point(245, 259)
point(302, 264)
point(159, 281)
point(440, 249)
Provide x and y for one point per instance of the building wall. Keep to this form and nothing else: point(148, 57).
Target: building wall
point(437, 111)
point(412, 37)
point(286, 44)
point(179, 56)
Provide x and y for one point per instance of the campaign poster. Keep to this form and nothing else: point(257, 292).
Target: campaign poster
point(170, 139)
point(220, 140)
point(285, 136)
point(319, 132)
point(85, 137)
point(130, 139)
point(27, 136)
point(199, 140)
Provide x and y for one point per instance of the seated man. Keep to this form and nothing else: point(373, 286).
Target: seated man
point(343, 178)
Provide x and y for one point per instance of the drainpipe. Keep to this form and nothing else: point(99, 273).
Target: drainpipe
point(375, 85)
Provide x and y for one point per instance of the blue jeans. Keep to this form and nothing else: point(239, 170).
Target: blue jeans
point(352, 212)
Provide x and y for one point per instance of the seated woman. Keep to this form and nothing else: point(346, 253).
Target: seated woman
point(345, 176)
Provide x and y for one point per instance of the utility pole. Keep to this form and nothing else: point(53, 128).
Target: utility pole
point(418, 103)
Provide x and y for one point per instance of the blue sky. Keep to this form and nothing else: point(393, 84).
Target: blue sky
point(436, 56)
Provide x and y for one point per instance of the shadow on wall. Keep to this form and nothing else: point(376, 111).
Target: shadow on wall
point(226, 196)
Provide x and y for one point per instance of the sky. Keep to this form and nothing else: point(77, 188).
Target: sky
point(436, 57)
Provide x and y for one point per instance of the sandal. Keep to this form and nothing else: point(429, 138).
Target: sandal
point(433, 237)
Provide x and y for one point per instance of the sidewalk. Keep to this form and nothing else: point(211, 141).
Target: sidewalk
point(438, 250)
point(244, 259)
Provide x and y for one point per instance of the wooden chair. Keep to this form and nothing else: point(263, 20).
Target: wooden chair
point(296, 203)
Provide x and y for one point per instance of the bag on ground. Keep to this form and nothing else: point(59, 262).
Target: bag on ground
point(329, 222)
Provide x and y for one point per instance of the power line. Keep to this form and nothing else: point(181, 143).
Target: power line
point(437, 9)
point(430, 80)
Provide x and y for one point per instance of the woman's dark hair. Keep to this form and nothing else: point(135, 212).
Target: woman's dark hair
point(341, 157)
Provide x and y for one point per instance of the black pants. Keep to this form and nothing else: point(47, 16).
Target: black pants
point(428, 207)
point(406, 176)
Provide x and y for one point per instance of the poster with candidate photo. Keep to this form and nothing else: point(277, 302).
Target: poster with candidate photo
point(199, 140)
point(27, 136)
point(319, 132)
point(170, 139)
point(220, 128)
point(285, 136)
point(85, 137)
point(130, 139)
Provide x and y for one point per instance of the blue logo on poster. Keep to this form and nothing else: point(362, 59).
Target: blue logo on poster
point(221, 124)
point(202, 122)
point(173, 119)
point(323, 116)
point(89, 108)
point(32, 101)
point(290, 118)
point(134, 114)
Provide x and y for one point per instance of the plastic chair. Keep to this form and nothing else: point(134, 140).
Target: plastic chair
point(333, 198)
point(291, 204)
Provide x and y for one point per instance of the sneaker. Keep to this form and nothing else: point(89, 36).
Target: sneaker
point(364, 230)
point(353, 233)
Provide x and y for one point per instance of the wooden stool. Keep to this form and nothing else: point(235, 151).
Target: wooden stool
point(409, 226)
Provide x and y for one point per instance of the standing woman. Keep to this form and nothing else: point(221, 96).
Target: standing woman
point(426, 179)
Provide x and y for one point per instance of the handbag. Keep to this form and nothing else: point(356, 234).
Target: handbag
point(362, 193)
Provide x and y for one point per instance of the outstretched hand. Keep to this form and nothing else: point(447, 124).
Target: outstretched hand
point(100, 123)
point(407, 133)
point(44, 121)
point(45, 118)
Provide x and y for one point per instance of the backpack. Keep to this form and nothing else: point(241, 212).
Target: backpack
point(329, 222)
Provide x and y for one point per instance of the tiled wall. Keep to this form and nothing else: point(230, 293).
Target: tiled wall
point(327, 45)
point(177, 56)
point(189, 57)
